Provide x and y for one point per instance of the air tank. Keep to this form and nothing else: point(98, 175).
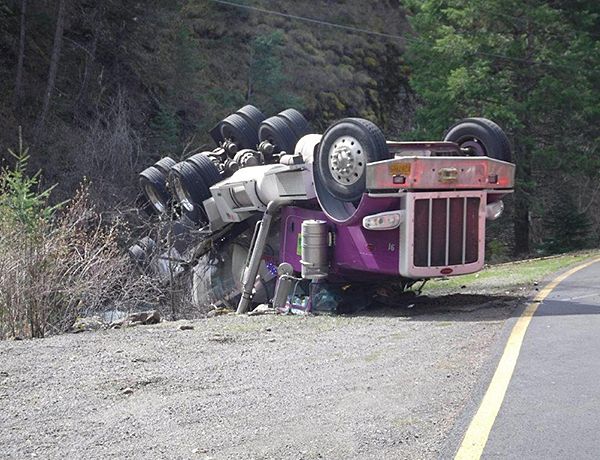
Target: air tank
point(314, 249)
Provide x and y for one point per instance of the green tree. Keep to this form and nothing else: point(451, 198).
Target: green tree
point(22, 204)
point(569, 227)
point(531, 66)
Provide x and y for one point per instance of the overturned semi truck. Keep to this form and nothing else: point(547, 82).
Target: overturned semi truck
point(317, 212)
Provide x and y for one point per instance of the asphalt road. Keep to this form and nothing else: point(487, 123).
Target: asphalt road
point(551, 408)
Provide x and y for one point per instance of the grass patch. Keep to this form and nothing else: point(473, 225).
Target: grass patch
point(508, 276)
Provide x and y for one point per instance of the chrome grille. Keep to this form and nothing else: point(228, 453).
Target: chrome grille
point(446, 231)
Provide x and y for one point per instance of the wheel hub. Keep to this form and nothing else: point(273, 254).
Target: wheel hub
point(474, 146)
point(346, 160)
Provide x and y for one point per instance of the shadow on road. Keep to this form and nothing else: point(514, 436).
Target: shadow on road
point(461, 307)
point(470, 307)
point(567, 307)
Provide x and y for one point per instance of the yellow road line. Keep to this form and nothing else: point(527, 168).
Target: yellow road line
point(479, 429)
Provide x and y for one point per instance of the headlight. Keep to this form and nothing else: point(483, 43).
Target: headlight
point(383, 221)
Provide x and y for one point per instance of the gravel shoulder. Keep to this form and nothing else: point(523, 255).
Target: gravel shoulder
point(388, 383)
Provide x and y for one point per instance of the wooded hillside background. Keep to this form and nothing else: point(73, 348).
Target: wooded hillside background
point(104, 88)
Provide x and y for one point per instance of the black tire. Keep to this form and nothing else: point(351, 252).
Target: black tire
point(194, 190)
point(373, 148)
point(278, 132)
point(180, 234)
point(197, 216)
point(144, 205)
point(254, 116)
point(206, 168)
point(165, 164)
point(154, 185)
point(296, 121)
point(239, 130)
point(482, 136)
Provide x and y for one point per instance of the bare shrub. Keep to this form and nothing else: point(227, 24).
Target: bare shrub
point(169, 264)
point(55, 264)
point(110, 150)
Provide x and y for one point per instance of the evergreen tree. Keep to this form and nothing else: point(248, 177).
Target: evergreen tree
point(569, 227)
point(530, 66)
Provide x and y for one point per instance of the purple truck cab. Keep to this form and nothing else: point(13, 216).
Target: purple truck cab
point(431, 223)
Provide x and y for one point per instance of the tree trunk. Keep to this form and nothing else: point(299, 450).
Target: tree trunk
point(524, 149)
point(82, 97)
point(18, 96)
point(56, 48)
point(521, 222)
point(523, 191)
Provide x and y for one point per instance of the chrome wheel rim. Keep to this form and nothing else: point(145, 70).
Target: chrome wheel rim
point(182, 196)
point(153, 197)
point(346, 160)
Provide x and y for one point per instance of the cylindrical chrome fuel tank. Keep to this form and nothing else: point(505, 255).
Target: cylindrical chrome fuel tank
point(314, 252)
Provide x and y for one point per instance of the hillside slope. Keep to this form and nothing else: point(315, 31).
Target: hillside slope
point(138, 80)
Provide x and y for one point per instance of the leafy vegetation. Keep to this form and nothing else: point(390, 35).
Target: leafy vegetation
point(181, 66)
point(533, 68)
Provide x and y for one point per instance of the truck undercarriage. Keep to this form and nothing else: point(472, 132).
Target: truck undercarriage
point(293, 218)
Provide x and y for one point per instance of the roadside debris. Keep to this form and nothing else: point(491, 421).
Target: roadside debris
point(218, 312)
point(139, 318)
point(91, 323)
point(262, 309)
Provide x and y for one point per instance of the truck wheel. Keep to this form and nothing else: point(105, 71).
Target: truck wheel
point(148, 245)
point(206, 168)
point(142, 252)
point(164, 164)
point(252, 115)
point(296, 121)
point(482, 137)
point(345, 150)
point(153, 183)
point(239, 130)
point(277, 131)
point(190, 189)
point(144, 205)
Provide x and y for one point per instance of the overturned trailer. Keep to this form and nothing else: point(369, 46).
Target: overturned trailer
point(346, 206)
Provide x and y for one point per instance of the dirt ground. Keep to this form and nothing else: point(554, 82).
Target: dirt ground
point(382, 384)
